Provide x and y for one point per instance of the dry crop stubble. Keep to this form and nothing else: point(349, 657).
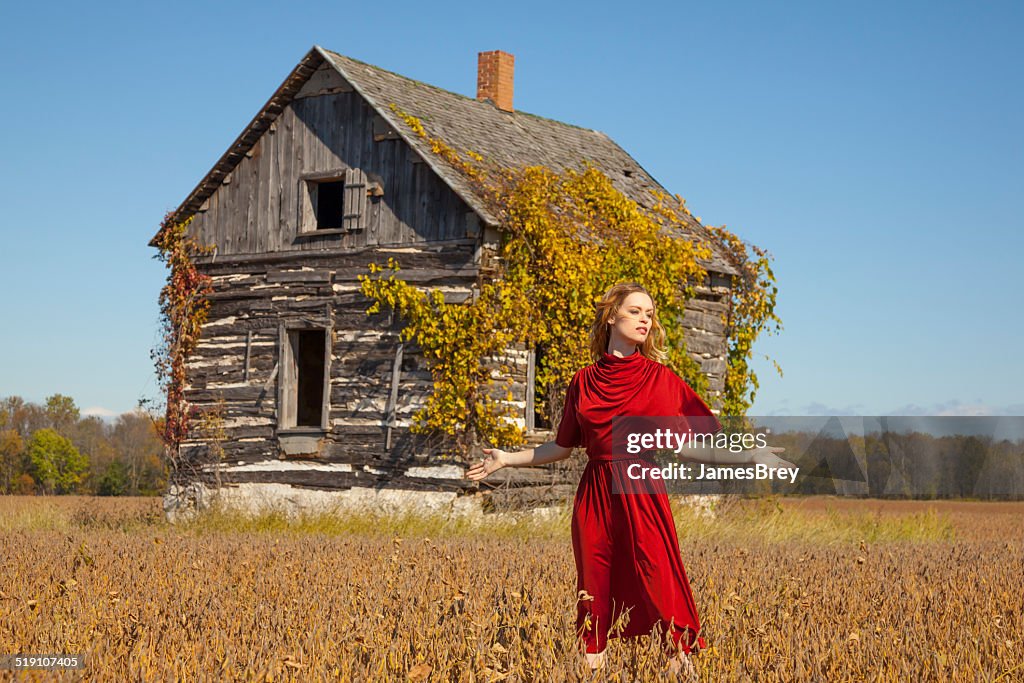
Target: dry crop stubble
point(786, 591)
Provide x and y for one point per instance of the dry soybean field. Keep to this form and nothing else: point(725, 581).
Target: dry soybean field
point(814, 589)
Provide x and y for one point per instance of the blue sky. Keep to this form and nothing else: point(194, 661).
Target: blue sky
point(874, 149)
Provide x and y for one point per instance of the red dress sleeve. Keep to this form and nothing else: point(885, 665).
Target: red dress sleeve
point(693, 406)
point(569, 433)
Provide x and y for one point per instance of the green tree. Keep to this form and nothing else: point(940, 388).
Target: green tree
point(55, 462)
point(62, 412)
point(114, 481)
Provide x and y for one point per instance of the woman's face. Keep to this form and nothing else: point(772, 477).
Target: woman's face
point(633, 320)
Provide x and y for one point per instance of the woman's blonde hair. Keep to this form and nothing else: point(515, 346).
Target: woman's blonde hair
point(653, 346)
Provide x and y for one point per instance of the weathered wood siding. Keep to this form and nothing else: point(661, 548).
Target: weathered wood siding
point(256, 209)
point(233, 369)
point(705, 337)
point(234, 372)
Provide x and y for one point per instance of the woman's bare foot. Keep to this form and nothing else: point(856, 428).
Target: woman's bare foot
point(595, 660)
point(681, 665)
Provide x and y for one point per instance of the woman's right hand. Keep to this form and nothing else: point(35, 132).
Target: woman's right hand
point(493, 461)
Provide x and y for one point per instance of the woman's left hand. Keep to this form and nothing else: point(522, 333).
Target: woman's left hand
point(494, 460)
point(767, 456)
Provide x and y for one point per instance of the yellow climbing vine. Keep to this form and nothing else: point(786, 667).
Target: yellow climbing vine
point(565, 239)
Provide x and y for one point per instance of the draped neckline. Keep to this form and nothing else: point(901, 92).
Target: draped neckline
point(608, 359)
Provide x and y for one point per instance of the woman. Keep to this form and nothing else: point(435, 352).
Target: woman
point(625, 546)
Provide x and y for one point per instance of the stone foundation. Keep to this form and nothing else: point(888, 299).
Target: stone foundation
point(182, 503)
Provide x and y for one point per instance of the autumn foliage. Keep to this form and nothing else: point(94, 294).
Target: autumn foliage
point(183, 309)
point(566, 238)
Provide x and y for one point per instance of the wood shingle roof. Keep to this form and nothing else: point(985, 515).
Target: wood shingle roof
point(509, 138)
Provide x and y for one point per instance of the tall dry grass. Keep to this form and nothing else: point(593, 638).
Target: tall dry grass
point(784, 594)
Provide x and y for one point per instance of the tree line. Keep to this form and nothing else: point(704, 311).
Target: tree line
point(51, 449)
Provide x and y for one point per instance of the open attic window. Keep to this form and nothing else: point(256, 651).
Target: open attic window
point(330, 205)
point(332, 202)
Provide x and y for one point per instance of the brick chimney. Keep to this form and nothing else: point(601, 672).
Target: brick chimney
point(494, 78)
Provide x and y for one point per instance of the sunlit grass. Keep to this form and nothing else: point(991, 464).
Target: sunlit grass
point(733, 520)
point(340, 521)
point(766, 520)
point(785, 593)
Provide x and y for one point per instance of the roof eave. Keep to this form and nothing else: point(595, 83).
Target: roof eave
point(273, 108)
point(266, 115)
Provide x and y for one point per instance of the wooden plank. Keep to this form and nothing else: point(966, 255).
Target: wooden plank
point(348, 111)
point(316, 276)
point(303, 165)
point(400, 228)
point(391, 410)
point(365, 145)
point(334, 140)
point(235, 217)
point(446, 217)
point(263, 192)
point(291, 179)
point(428, 207)
point(217, 214)
point(385, 152)
point(350, 217)
point(222, 216)
point(248, 245)
point(277, 238)
point(456, 256)
point(325, 410)
point(437, 207)
point(350, 133)
point(272, 219)
point(248, 354)
point(403, 169)
point(364, 135)
point(314, 126)
point(285, 381)
point(531, 378)
point(419, 216)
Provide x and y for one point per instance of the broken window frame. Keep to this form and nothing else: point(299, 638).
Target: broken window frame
point(287, 408)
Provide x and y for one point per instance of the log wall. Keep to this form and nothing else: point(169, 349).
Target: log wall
point(235, 372)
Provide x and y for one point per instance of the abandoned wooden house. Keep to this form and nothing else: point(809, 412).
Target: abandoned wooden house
point(317, 396)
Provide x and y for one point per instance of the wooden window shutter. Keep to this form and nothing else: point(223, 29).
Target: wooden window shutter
point(355, 199)
point(285, 380)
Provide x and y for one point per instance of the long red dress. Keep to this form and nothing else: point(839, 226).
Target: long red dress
point(626, 548)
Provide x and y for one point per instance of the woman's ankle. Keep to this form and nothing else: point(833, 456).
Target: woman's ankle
point(595, 660)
